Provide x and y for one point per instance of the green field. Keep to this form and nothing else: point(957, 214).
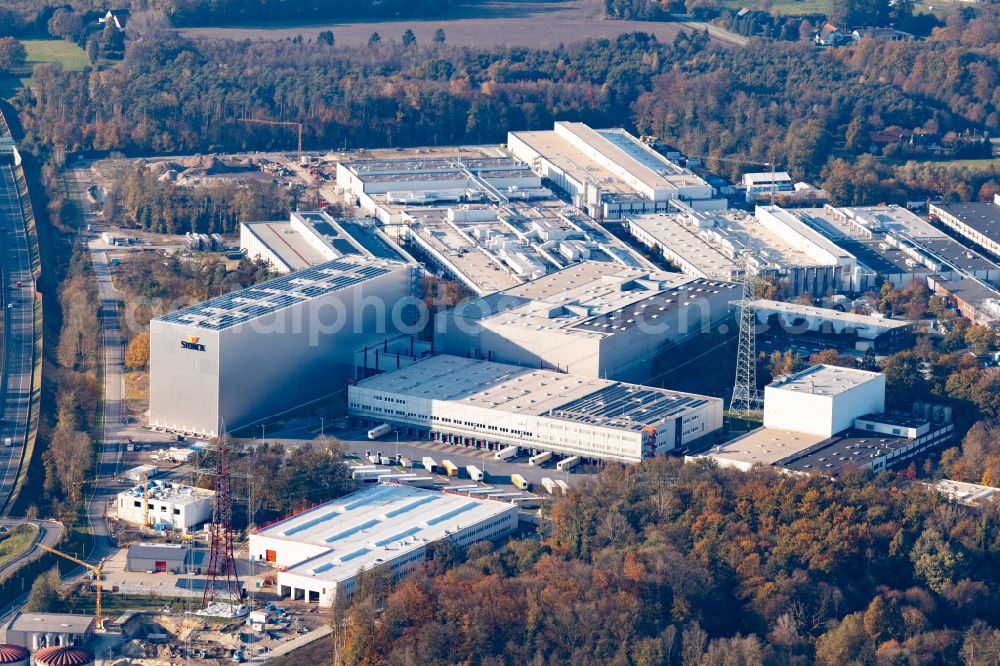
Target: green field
point(20, 540)
point(789, 7)
point(41, 51)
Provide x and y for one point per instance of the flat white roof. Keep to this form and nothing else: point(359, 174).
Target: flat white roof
point(66, 623)
point(279, 237)
point(512, 388)
point(967, 493)
point(825, 380)
point(376, 525)
point(172, 493)
point(765, 446)
point(766, 177)
point(764, 305)
point(593, 298)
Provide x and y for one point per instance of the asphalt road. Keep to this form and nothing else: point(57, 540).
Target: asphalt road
point(18, 331)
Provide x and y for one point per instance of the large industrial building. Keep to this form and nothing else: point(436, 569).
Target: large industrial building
point(973, 297)
point(314, 237)
point(826, 328)
point(487, 404)
point(590, 319)
point(712, 244)
point(609, 173)
point(891, 243)
point(978, 221)
point(827, 419)
point(320, 552)
point(235, 359)
point(165, 504)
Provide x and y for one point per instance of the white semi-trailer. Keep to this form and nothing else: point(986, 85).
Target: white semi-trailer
point(540, 459)
point(506, 454)
point(568, 463)
point(379, 430)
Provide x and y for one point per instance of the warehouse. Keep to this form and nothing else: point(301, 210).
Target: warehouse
point(891, 243)
point(712, 245)
point(828, 419)
point(826, 328)
point(609, 173)
point(170, 505)
point(761, 185)
point(285, 343)
point(487, 404)
point(591, 319)
point(158, 557)
point(320, 552)
point(313, 237)
point(978, 221)
point(975, 299)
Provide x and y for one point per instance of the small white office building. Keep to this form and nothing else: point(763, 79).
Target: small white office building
point(171, 505)
point(823, 399)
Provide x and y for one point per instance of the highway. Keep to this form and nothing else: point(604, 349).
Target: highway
point(18, 333)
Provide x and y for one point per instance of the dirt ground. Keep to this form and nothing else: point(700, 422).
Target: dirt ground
point(482, 23)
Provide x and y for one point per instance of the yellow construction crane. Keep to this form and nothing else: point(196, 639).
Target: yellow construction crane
point(98, 573)
point(286, 123)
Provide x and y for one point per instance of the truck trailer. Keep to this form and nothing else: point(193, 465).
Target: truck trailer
point(429, 464)
point(450, 468)
point(568, 463)
point(540, 459)
point(475, 473)
point(379, 430)
point(506, 454)
point(519, 482)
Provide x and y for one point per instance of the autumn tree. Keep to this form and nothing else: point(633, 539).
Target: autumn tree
point(137, 352)
point(44, 594)
point(439, 36)
point(409, 39)
point(12, 54)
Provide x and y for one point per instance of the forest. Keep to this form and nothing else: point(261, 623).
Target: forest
point(689, 565)
point(782, 101)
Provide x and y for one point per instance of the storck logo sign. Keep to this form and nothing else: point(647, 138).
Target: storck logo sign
point(192, 343)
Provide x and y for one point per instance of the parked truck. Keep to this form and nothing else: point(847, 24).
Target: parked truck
point(450, 468)
point(475, 473)
point(550, 486)
point(519, 482)
point(429, 463)
point(540, 459)
point(568, 463)
point(379, 430)
point(506, 454)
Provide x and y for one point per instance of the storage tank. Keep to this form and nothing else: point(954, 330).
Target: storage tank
point(14, 655)
point(63, 655)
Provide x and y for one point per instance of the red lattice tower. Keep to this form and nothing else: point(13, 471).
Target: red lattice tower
point(222, 576)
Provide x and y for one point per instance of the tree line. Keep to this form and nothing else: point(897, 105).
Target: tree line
point(680, 564)
point(787, 103)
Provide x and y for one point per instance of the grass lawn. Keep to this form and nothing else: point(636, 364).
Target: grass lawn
point(18, 542)
point(70, 55)
point(40, 51)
